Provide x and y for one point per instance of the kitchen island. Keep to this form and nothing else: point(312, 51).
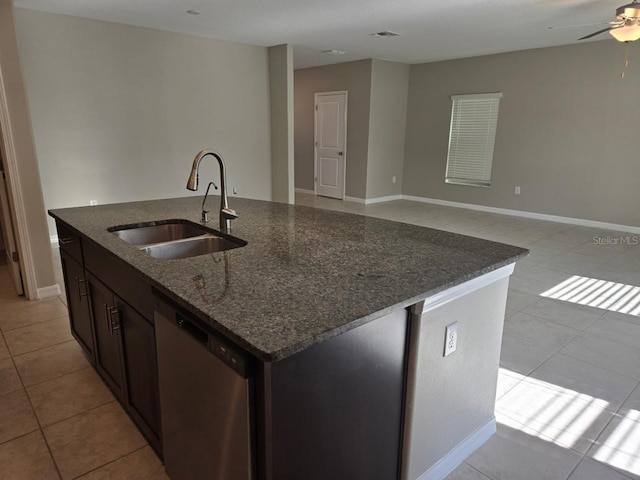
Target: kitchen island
point(337, 320)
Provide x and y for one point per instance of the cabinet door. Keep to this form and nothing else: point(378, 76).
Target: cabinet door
point(142, 397)
point(104, 314)
point(78, 303)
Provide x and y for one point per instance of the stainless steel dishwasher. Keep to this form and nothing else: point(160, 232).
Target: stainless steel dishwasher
point(205, 395)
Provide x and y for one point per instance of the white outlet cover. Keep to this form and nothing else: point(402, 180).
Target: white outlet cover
point(451, 339)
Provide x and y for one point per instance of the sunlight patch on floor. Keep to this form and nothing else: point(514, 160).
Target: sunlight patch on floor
point(572, 419)
point(593, 292)
point(553, 413)
point(621, 449)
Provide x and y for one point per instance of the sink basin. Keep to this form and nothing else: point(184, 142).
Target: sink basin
point(165, 232)
point(176, 239)
point(191, 247)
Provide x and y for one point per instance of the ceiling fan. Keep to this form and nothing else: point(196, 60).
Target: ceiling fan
point(626, 27)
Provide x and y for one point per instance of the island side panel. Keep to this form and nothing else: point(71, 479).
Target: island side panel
point(451, 400)
point(336, 408)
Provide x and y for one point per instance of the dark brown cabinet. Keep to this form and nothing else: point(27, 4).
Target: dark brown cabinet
point(118, 338)
point(126, 357)
point(78, 301)
point(141, 370)
point(105, 319)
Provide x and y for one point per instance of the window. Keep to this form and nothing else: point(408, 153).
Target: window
point(472, 135)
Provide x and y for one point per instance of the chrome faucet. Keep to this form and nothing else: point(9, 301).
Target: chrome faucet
point(226, 214)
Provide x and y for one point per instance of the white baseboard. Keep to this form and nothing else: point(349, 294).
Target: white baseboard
point(460, 452)
point(302, 190)
point(522, 213)
point(54, 240)
point(369, 201)
point(389, 198)
point(50, 291)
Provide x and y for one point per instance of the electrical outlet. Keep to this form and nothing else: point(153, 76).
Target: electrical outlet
point(93, 202)
point(451, 339)
point(235, 191)
point(393, 179)
point(517, 190)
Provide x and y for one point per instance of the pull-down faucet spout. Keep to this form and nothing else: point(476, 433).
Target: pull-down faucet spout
point(226, 214)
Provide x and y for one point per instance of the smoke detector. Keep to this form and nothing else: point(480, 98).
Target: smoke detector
point(334, 52)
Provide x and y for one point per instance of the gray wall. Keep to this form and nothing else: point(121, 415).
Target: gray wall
point(567, 131)
point(451, 398)
point(387, 120)
point(281, 88)
point(355, 77)
point(36, 233)
point(119, 112)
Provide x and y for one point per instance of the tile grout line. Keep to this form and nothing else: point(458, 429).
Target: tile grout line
point(66, 315)
point(112, 461)
point(33, 412)
point(43, 348)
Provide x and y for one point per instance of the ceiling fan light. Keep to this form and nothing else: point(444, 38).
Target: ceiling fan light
point(628, 33)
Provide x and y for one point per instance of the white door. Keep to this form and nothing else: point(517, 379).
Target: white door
point(331, 136)
point(8, 237)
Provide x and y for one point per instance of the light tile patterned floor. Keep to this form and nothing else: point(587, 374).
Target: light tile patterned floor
point(57, 418)
point(568, 404)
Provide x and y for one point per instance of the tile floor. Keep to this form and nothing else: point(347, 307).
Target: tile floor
point(57, 418)
point(568, 400)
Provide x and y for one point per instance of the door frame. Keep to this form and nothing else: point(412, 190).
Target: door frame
point(16, 198)
point(315, 139)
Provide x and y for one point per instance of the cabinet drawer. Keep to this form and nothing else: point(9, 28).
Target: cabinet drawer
point(69, 242)
point(123, 280)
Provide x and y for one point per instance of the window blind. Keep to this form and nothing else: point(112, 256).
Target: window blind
point(474, 120)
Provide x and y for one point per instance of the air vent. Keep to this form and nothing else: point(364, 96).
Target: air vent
point(385, 34)
point(334, 52)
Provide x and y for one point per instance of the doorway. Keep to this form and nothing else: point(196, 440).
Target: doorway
point(330, 143)
point(9, 250)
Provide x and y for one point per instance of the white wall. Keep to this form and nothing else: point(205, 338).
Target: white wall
point(31, 230)
point(119, 112)
point(355, 77)
point(567, 131)
point(387, 121)
point(281, 87)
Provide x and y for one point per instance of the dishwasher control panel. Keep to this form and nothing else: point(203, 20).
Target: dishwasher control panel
point(232, 355)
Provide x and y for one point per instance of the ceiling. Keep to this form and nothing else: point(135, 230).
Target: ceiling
point(430, 30)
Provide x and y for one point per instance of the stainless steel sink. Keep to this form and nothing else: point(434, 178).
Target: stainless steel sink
point(165, 232)
point(176, 239)
point(191, 247)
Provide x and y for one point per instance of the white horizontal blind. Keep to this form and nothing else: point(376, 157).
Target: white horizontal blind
point(474, 119)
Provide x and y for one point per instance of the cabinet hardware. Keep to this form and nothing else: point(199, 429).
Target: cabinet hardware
point(114, 324)
point(66, 241)
point(106, 313)
point(78, 282)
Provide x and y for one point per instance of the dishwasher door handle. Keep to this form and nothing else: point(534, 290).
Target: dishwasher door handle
point(196, 332)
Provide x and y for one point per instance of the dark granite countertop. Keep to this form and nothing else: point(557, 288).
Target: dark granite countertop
point(305, 275)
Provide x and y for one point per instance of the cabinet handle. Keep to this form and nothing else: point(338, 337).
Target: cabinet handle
point(66, 241)
point(108, 318)
point(78, 282)
point(115, 324)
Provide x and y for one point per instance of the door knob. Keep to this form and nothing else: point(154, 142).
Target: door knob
point(340, 153)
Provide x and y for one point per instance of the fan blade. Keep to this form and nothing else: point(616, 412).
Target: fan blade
point(598, 33)
point(584, 25)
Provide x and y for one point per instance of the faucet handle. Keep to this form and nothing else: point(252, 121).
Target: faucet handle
point(229, 213)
